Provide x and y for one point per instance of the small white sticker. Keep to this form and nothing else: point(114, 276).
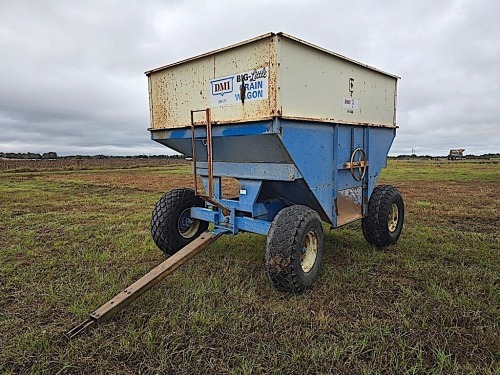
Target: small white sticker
point(243, 191)
point(350, 103)
point(228, 90)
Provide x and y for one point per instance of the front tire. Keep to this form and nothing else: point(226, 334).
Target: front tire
point(294, 249)
point(171, 225)
point(384, 222)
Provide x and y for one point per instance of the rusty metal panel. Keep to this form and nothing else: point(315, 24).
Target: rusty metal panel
point(323, 86)
point(214, 81)
point(271, 75)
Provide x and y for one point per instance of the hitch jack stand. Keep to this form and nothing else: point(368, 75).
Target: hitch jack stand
point(145, 283)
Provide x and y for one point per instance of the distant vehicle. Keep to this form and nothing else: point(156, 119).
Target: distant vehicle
point(456, 154)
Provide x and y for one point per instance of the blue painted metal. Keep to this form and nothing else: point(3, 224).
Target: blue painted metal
point(279, 163)
point(205, 214)
point(309, 145)
point(281, 172)
point(255, 142)
point(233, 130)
point(249, 191)
point(380, 143)
point(253, 225)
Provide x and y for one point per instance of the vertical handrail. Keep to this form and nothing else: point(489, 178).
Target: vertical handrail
point(364, 182)
point(210, 166)
point(209, 155)
point(193, 146)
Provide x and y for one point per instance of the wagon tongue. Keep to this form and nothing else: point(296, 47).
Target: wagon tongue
point(80, 328)
point(145, 283)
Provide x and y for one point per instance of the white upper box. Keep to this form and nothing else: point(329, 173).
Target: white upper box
point(274, 75)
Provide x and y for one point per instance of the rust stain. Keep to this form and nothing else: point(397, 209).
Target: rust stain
point(179, 88)
point(243, 91)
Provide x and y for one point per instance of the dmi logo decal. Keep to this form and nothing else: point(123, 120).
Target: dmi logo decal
point(222, 86)
point(252, 84)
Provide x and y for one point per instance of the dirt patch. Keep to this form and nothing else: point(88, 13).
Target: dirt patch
point(29, 165)
point(466, 206)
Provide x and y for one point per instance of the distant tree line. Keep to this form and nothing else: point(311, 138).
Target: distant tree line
point(53, 155)
point(413, 156)
point(28, 155)
point(180, 157)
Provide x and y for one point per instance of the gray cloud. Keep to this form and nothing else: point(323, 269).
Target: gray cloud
point(71, 73)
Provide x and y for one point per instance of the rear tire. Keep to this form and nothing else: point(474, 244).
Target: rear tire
point(171, 225)
point(384, 222)
point(294, 249)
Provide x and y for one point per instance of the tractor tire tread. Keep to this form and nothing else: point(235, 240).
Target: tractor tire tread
point(282, 239)
point(164, 219)
point(374, 225)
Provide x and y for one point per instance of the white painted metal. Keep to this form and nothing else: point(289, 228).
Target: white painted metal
point(309, 251)
point(284, 76)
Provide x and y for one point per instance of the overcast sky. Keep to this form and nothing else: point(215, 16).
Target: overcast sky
point(72, 72)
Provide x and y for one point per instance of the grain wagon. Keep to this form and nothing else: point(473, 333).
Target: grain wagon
point(303, 130)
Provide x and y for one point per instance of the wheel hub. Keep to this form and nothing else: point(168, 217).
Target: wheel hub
point(393, 218)
point(309, 251)
point(187, 226)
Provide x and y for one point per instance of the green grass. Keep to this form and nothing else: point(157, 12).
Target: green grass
point(428, 305)
point(442, 170)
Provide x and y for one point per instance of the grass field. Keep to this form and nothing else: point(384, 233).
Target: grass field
point(70, 239)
